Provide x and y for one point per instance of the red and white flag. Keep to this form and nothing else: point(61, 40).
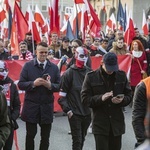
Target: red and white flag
point(38, 16)
point(111, 23)
point(32, 25)
point(54, 17)
point(144, 24)
point(129, 33)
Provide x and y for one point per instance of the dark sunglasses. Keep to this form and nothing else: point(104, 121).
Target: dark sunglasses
point(2, 70)
point(74, 46)
point(43, 52)
point(82, 55)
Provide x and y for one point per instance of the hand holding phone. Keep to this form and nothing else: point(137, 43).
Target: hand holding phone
point(120, 96)
point(45, 76)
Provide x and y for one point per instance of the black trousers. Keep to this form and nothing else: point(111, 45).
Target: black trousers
point(110, 142)
point(9, 142)
point(79, 126)
point(31, 131)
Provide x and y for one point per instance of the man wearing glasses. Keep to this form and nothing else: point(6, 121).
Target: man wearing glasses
point(39, 78)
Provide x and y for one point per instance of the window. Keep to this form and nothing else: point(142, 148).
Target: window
point(44, 8)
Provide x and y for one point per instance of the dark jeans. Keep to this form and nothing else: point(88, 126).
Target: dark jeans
point(9, 142)
point(31, 130)
point(110, 142)
point(79, 126)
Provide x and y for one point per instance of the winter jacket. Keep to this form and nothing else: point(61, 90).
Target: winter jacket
point(39, 101)
point(139, 111)
point(71, 83)
point(106, 115)
point(14, 107)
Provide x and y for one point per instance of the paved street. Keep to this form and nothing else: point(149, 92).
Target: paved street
point(60, 140)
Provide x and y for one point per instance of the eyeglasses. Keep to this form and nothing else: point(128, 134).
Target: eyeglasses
point(74, 46)
point(82, 55)
point(43, 52)
point(2, 70)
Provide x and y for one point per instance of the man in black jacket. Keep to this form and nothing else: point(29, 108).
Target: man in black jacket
point(106, 90)
point(39, 78)
point(70, 99)
point(13, 102)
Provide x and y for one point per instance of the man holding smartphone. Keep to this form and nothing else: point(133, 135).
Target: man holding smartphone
point(39, 79)
point(101, 91)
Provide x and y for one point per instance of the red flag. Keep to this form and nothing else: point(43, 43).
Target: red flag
point(54, 17)
point(14, 38)
point(79, 1)
point(20, 20)
point(32, 25)
point(2, 15)
point(111, 23)
point(129, 33)
point(39, 17)
point(144, 24)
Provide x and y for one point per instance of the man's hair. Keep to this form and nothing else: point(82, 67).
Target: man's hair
point(78, 41)
point(23, 43)
point(42, 44)
point(105, 40)
point(28, 33)
point(120, 38)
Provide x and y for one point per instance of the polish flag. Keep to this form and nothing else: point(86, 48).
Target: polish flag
point(54, 17)
point(111, 23)
point(38, 16)
point(84, 21)
point(144, 24)
point(129, 33)
point(4, 29)
point(32, 25)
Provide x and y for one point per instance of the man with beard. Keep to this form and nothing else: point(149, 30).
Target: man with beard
point(25, 54)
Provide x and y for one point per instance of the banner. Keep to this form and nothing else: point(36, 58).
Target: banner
point(15, 68)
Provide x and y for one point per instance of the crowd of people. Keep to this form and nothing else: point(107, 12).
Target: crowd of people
point(89, 98)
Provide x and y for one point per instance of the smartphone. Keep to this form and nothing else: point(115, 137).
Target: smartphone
point(45, 76)
point(120, 96)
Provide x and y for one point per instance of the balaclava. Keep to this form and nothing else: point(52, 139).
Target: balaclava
point(3, 70)
point(81, 57)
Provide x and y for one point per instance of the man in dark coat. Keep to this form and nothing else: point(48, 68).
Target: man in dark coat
point(106, 90)
point(39, 78)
